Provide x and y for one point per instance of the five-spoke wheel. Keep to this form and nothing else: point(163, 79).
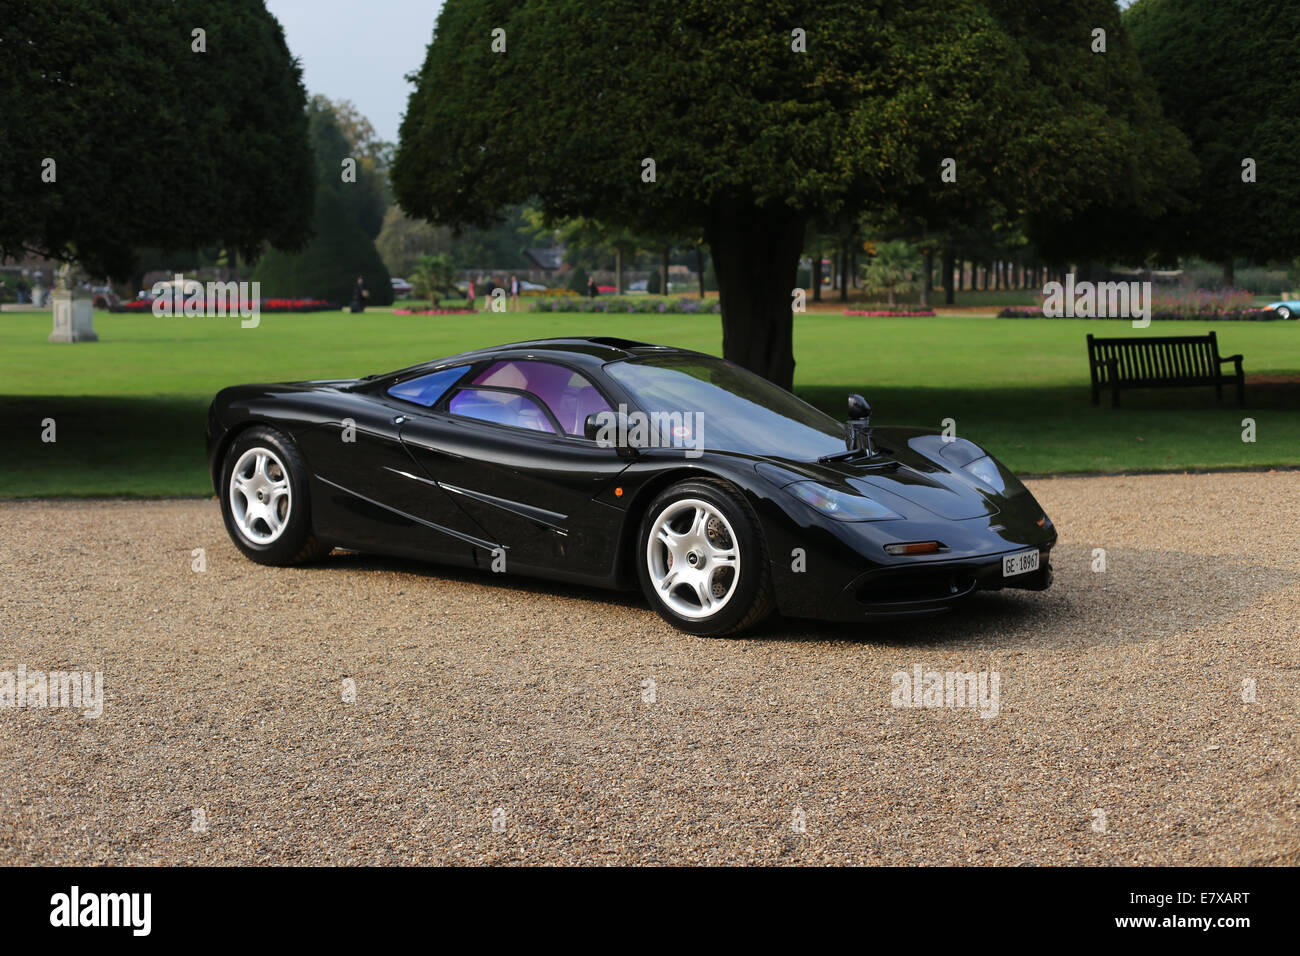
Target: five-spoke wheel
point(261, 497)
point(693, 558)
point(703, 564)
point(264, 498)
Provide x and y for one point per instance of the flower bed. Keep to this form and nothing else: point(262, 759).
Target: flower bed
point(628, 304)
point(1242, 315)
point(138, 306)
point(434, 311)
point(890, 313)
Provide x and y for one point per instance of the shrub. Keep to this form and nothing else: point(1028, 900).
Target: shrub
point(338, 253)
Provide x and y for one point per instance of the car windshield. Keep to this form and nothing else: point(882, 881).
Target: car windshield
point(740, 410)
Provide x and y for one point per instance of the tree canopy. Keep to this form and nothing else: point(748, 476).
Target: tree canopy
point(1225, 72)
point(750, 137)
point(132, 137)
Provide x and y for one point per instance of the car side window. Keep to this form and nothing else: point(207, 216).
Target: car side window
point(569, 395)
point(427, 389)
point(501, 408)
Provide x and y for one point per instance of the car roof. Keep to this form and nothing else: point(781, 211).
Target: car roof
point(586, 352)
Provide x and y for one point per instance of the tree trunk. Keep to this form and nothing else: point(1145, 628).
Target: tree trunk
point(618, 271)
point(949, 292)
point(927, 286)
point(1229, 273)
point(817, 276)
point(756, 257)
point(844, 271)
point(699, 266)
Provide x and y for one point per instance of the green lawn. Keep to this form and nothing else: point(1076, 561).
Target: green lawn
point(129, 410)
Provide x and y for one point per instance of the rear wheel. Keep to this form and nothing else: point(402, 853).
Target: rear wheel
point(264, 499)
point(702, 560)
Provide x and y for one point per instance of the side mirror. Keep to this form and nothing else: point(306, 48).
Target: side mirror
point(608, 430)
point(858, 431)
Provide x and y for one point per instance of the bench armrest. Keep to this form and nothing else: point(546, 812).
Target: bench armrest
point(1232, 358)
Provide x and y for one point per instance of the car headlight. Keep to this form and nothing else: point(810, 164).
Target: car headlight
point(987, 471)
point(838, 504)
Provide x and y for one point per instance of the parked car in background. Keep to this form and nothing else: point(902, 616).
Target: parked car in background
point(103, 297)
point(1285, 308)
point(526, 286)
point(402, 288)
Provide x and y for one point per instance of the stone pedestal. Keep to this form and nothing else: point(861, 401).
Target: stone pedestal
point(74, 317)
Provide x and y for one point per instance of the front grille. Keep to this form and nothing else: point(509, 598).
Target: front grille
point(915, 587)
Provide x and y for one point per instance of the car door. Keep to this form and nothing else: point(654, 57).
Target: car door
point(506, 443)
point(373, 494)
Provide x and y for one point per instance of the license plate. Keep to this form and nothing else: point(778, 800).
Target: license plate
point(1022, 562)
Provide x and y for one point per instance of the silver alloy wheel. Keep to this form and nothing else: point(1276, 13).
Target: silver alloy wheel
point(260, 497)
point(1284, 312)
point(693, 558)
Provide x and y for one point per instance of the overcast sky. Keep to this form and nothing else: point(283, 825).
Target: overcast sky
point(360, 51)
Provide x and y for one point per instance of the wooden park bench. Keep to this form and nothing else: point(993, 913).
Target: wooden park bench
point(1169, 362)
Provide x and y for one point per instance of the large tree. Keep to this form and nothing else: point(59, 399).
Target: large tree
point(751, 138)
point(120, 135)
point(1226, 74)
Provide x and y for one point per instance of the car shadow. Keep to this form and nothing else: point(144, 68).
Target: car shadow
point(1177, 590)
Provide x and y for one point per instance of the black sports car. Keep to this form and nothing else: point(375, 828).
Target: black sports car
point(610, 462)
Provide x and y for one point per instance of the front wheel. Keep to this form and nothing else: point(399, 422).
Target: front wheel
point(264, 499)
point(1283, 312)
point(702, 559)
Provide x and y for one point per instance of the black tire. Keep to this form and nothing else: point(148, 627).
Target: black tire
point(1283, 312)
point(744, 605)
point(295, 542)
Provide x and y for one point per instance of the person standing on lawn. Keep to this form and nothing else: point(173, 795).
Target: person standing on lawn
point(469, 294)
point(359, 295)
point(514, 293)
point(592, 291)
point(487, 293)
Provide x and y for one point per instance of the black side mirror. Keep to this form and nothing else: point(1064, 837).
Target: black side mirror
point(609, 430)
point(858, 432)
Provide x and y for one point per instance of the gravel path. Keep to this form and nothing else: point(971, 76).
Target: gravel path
point(1122, 735)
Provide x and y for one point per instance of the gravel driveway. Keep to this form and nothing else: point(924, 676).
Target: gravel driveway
point(1124, 734)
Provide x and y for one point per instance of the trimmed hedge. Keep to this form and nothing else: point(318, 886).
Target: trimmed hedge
point(628, 304)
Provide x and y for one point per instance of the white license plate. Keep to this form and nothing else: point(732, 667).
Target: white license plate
point(1022, 562)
